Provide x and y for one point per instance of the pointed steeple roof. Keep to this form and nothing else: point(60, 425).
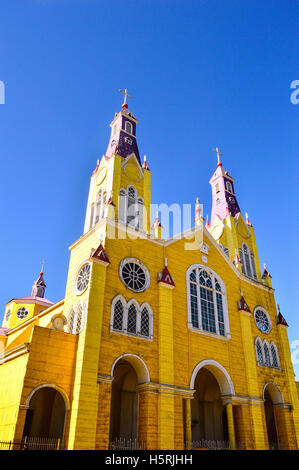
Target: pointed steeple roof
point(123, 140)
point(39, 286)
point(224, 201)
point(280, 320)
point(266, 273)
point(145, 165)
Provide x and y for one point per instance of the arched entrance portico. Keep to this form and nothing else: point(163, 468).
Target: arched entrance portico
point(45, 417)
point(211, 416)
point(272, 396)
point(128, 371)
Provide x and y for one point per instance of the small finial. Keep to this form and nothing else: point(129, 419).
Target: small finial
point(265, 266)
point(278, 307)
point(157, 215)
point(42, 269)
point(98, 162)
point(144, 158)
point(165, 261)
point(241, 292)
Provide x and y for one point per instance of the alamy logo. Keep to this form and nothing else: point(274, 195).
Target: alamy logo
point(295, 95)
point(2, 92)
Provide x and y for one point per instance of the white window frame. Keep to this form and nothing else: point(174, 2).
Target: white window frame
point(259, 341)
point(277, 355)
point(229, 187)
point(252, 265)
point(258, 307)
point(224, 303)
point(126, 305)
point(123, 208)
point(131, 127)
point(142, 266)
point(75, 313)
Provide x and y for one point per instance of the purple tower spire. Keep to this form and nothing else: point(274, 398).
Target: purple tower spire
point(224, 200)
point(123, 133)
point(39, 286)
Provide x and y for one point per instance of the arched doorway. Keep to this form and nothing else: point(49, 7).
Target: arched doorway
point(209, 420)
point(45, 416)
point(208, 415)
point(124, 404)
point(272, 396)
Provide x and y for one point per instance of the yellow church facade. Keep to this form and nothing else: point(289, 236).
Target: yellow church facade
point(159, 343)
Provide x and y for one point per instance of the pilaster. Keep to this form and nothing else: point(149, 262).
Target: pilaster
point(84, 410)
point(166, 367)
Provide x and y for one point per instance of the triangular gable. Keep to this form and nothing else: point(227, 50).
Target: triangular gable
point(242, 305)
point(281, 320)
point(100, 255)
point(166, 278)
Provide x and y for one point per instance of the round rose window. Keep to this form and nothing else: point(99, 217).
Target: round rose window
point(83, 278)
point(134, 274)
point(262, 321)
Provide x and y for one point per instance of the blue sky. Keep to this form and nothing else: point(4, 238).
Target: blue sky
point(202, 74)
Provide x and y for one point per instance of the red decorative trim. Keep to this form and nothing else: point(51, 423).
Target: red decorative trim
point(100, 254)
point(166, 277)
point(266, 274)
point(110, 202)
point(236, 259)
point(242, 305)
point(156, 223)
point(281, 320)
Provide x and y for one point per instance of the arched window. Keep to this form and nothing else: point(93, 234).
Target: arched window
point(274, 355)
point(253, 266)
point(144, 324)
point(225, 249)
point(118, 313)
point(217, 189)
point(76, 320)
point(140, 213)
point(266, 354)
point(229, 187)
point(207, 307)
point(132, 319)
point(129, 127)
point(79, 320)
point(247, 260)
point(130, 209)
point(70, 321)
point(129, 317)
point(259, 352)
point(91, 215)
point(98, 214)
point(122, 206)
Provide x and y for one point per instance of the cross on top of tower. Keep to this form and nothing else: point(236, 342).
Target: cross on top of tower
point(218, 156)
point(125, 98)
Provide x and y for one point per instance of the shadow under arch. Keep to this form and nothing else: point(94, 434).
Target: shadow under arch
point(47, 405)
point(138, 365)
point(209, 421)
point(128, 371)
point(274, 392)
point(272, 396)
point(220, 373)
